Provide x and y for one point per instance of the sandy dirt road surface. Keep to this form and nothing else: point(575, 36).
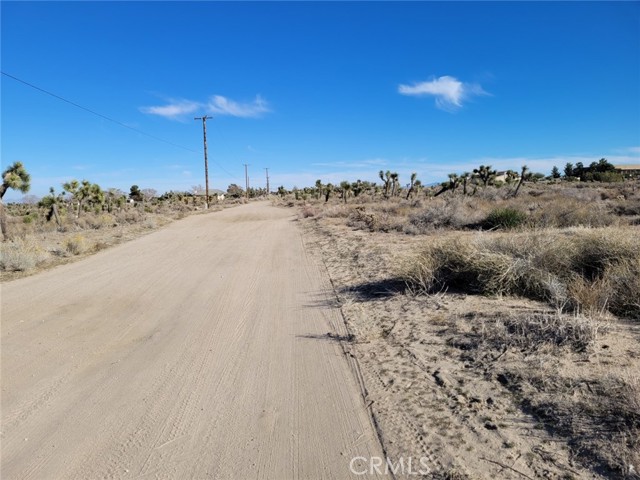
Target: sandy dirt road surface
point(198, 351)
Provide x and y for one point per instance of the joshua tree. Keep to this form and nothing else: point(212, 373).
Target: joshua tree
point(51, 202)
point(511, 176)
point(82, 192)
point(485, 174)
point(555, 172)
point(452, 184)
point(328, 190)
point(16, 178)
point(395, 183)
point(523, 175)
point(357, 187)
point(386, 178)
point(465, 180)
point(412, 185)
point(113, 195)
point(318, 188)
point(345, 187)
point(96, 196)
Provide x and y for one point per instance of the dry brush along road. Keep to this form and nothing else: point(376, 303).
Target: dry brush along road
point(198, 351)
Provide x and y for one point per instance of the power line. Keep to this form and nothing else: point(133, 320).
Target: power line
point(98, 114)
point(93, 112)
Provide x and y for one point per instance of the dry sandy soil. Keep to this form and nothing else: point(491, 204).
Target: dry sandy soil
point(209, 349)
point(434, 386)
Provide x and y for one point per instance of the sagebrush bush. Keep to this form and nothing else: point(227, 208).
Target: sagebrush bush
point(308, 211)
point(583, 269)
point(75, 245)
point(570, 212)
point(454, 212)
point(20, 255)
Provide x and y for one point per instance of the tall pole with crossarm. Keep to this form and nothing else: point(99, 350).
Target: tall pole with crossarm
point(206, 164)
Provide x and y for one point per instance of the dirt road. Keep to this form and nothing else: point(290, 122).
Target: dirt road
point(198, 351)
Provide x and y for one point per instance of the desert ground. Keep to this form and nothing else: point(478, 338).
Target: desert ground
point(202, 350)
point(496, 353)
point(298, 338)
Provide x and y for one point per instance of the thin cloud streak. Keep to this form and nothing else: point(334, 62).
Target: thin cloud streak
point(449, 92)
point(217, 105)
point(173, 110)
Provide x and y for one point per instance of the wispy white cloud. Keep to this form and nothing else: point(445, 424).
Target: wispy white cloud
point(449, 92)
point(217, 105)
point(174, 110)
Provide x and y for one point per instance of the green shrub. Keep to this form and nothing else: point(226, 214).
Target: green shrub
point(29, 218)
point(505, 218)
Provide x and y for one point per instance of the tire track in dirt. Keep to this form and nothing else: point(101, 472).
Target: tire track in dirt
point(197, 351)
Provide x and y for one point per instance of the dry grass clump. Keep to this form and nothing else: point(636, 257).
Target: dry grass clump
point(335, 211)
point(584, 269)
point(382, 220)
point(75, 245)
point(532, 331)
point(562, 211)
point(454, 212)
point(130, 216)
point(20, 255)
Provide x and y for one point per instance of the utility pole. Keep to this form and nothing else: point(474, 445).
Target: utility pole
point(268, 192)
point(246, 180)
point(206, 164)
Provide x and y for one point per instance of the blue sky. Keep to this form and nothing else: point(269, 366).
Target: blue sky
point(326, 91)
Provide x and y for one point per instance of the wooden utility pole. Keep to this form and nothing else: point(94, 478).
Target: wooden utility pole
point(206, 164)
point(268, 192)
point(246, 179)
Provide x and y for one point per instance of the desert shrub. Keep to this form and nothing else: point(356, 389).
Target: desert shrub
point(572, 210)
point(530, 332)
point(130, 215)
point(308, 211)
point(150, 223)
point(20, 255)
point(630, 207)
point(583, 269)
point(96, 222)
point(452, 212)
point(505, 218)
point(336, 211)
point(375, 222)
point(30, 217)
point(624, 287)
point(490, 193)
point(75, 245)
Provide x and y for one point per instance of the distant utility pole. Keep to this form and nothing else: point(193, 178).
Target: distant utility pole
point(246, 179)
point(267, 170)
point(206, 164)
